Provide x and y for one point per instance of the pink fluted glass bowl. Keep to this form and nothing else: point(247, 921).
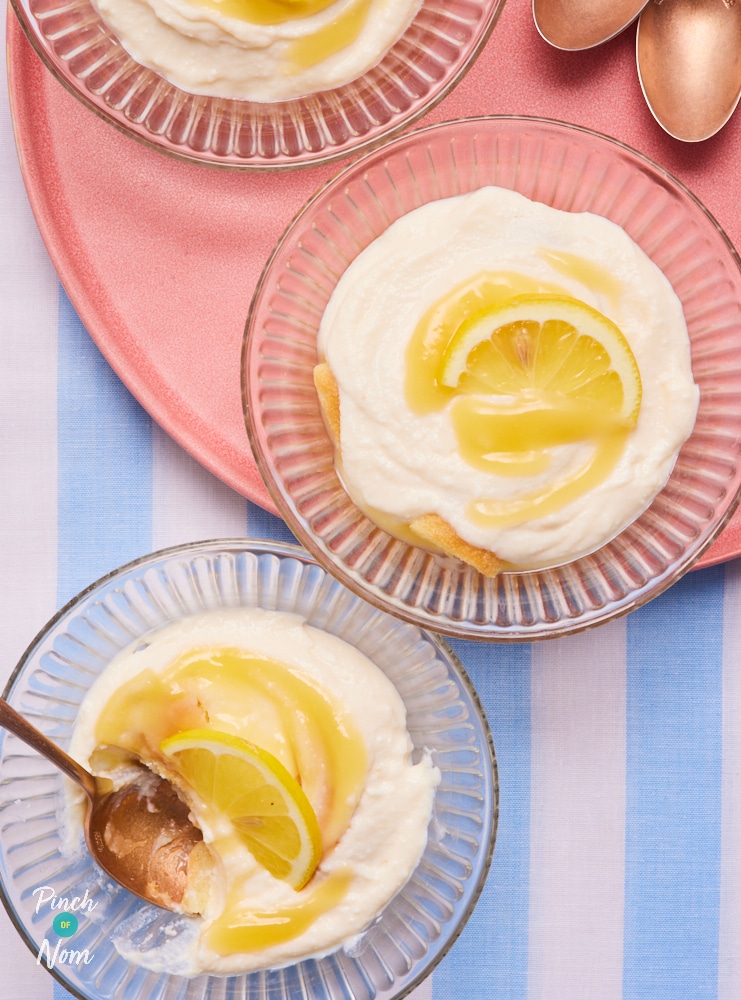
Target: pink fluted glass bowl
point(571, 169)
point(435, 51)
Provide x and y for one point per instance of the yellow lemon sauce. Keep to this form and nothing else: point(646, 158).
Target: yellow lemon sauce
point(264, 701)
point(523, 394)
point(310, 49)
point(243, 929)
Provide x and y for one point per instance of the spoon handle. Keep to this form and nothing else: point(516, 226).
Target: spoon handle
point(11, 720)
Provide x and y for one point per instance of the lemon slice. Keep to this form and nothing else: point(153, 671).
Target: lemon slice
point(546, 343)
point(250, 786)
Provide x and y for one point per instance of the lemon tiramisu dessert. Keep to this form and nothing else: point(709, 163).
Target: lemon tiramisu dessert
point(291, 749)
point(505, 382)
point(258, 50)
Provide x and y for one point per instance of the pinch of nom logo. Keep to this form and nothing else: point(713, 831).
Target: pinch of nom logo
point(64, 925)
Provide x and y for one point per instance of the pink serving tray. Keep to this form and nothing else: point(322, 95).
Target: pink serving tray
point(160, 258)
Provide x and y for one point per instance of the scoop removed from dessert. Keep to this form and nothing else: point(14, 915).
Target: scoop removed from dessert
point(248, 785)
point(140, 833)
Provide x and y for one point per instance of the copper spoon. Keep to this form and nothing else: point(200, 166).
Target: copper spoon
point(582, 24)
point(689, 64)
point(140, 835)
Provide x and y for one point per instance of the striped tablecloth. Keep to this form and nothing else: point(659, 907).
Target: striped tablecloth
point(617, 869)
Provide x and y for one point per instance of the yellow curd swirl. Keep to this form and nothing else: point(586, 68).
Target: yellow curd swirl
point(502, 426)
point(266, 702)
point(316, 46)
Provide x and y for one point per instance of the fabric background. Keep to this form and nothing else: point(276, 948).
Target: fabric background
point(617, 869)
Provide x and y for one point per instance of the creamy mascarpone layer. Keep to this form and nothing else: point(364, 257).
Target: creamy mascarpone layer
point(407, 464)
point(203, 51)
point(388, 830)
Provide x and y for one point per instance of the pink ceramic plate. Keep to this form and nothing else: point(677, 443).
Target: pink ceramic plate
point(161, 258)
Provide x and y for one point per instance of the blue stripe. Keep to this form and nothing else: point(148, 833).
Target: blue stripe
point(104, 478)
point(262, 524)
point(104, 463)
point(673, 806)
point(493, 948)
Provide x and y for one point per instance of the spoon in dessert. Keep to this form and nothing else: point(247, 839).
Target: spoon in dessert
point(582, 24)
point(140, 834)
point(689, 64)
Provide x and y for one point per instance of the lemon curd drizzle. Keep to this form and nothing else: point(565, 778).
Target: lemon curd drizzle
point(261, 700)
point(304, 52)
point(267, 11)
point(327, 41)
point(269, 704)
point(241, 929)
point(514, 406)
point(437, 327)
point(589, 273)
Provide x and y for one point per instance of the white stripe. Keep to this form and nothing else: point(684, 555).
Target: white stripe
point(188, 503)
point(28, 404)
point(28, 439)
point(423, 991)
point(729, 944)
point(21, 977)
point(577, 816)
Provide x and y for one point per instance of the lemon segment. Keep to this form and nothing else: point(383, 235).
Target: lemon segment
point(545, 344)
point(266, 805)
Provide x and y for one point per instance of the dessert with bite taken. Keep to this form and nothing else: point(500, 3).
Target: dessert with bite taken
point(291, 749)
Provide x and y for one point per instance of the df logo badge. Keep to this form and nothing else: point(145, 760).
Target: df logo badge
point(65, 924)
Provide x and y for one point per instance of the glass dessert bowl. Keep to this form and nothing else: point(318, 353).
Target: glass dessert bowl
point(133, 609)
point(561, 167)
point(327, 123)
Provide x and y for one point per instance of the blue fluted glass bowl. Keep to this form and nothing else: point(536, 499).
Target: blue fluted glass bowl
point(444, 717)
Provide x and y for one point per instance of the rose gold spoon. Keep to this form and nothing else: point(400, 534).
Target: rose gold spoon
point(582, 24)
point(689, 64)
point(140, 835)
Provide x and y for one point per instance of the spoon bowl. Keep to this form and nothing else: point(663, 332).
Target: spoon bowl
point(574, 25)
point(140, 833)
point(689, 64)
